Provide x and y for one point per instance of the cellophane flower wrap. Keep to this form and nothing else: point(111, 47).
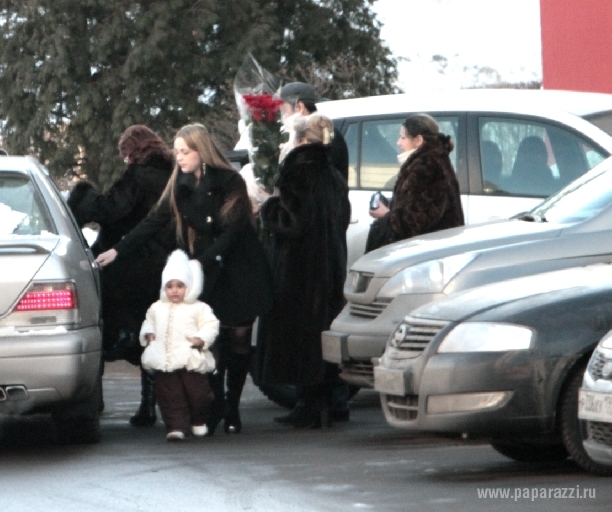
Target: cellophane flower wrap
point(254, 88)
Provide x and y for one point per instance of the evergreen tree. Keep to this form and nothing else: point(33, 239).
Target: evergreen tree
point(76, 73)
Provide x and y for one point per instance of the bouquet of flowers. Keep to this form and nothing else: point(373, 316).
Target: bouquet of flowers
point(254, 89)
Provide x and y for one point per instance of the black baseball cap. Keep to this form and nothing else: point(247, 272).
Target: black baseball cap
point(298, 91)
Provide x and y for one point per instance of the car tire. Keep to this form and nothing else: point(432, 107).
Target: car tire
point(78, 423)
point(530, 451)
point(286, 395)
point(572, 429)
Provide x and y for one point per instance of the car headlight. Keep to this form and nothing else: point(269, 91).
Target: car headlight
point(486, 337)
point(428, 277)
point(606, 341)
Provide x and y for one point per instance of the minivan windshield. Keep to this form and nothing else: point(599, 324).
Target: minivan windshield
point(580, 200)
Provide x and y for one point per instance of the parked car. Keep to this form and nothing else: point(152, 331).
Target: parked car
point(502, 361)
point(50, 340)
point(497, 171)
point(595, 403)
point(572, 228)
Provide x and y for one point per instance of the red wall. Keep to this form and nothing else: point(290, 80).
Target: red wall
point(577, 45)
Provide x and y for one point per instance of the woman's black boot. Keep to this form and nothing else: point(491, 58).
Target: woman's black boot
point(238, 366)
point(145, 416)
point(315, 413)
point(217, 410)
point(237, 370)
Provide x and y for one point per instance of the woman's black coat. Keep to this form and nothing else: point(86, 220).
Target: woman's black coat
point(237, 282)
point(308, 221)
point(131, 285)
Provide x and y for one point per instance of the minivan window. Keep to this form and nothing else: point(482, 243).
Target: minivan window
point(585, 198)
point(378, 165)
point(521, 157)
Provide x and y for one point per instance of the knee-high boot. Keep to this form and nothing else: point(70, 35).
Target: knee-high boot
point(217, 408)
point(238, 366)
point(315, 413)
point(237, 371)
point(145, 416)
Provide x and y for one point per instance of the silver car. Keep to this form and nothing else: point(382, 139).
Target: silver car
point(572, 228)
point(50, 340)
point(595, 403)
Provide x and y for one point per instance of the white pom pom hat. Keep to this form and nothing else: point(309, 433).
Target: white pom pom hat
point(189, 272)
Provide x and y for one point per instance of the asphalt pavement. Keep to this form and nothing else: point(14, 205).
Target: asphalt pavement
point(363, 464)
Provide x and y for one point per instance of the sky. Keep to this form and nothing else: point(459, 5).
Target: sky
point(469, 34)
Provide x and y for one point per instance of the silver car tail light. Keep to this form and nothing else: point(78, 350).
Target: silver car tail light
point(44, 305)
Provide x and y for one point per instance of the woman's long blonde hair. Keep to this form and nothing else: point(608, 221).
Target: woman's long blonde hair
point(198, 139)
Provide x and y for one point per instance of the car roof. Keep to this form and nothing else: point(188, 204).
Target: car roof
point(519, 101)
point(24, 164)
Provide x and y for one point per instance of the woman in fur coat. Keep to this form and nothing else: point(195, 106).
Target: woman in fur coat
point(206, 200)
point(308, 220)
point(130, 286)
point(426, 196)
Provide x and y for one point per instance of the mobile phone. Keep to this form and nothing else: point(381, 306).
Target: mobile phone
point(375, 200)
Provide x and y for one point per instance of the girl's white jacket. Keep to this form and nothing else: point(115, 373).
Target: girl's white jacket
point(172, 323)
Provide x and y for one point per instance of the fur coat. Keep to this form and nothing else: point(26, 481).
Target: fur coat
point(426, 196)
point(129, 285)
point(308, 222)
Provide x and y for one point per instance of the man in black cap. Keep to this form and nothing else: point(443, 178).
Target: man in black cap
point(300, 98)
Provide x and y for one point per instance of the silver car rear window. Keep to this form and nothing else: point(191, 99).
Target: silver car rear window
point(22, 210)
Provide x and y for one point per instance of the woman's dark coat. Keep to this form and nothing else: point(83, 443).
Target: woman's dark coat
point(132, 284)
point(308, 221)
point(426, 196)
point(237, 282)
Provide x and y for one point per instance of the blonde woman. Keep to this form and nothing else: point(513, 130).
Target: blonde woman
point(206, 199)
point(307, 220)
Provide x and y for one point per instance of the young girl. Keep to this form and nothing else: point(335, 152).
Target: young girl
point(178, 332)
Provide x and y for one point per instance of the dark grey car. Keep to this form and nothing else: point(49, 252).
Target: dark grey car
point(50, 340)
point(502, 361)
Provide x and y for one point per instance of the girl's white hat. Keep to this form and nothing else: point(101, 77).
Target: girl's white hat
point(187, 271)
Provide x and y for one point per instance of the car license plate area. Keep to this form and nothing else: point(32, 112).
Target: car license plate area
point(595, 406)
point(389, 381)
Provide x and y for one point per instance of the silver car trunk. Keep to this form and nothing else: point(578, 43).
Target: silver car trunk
point(20, 260)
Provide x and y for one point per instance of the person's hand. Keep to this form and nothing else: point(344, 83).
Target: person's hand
point(150, 337)
point(262, 195)
point(381, 211)
point(106, 257)
point(195, 342)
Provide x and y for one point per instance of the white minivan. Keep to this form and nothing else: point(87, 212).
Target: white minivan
point(495, 132)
